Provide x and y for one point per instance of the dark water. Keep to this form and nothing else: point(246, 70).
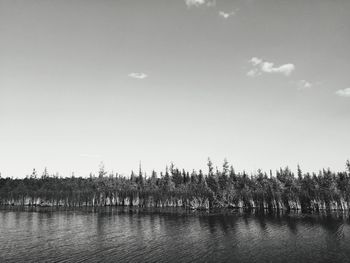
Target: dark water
point(123, 235)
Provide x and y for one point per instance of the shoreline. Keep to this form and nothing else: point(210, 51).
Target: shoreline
point(220, 210)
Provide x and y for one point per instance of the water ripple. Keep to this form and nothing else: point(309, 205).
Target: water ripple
point(118, 235)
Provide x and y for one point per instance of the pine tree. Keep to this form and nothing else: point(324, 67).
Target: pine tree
point(210, 167)
point(300, 173)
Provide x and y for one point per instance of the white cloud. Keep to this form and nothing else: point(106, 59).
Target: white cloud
point(226, 15)
point(138, 75)
point(343, 92)
point(304, 84)
point(260, 66)
point(285, 69)
point(197, 3)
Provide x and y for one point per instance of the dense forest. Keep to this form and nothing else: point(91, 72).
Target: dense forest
point(217, 188)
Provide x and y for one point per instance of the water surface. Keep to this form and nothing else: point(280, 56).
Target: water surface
point(124, 235)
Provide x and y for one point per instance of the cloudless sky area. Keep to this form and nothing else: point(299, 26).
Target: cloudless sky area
point(263, 83)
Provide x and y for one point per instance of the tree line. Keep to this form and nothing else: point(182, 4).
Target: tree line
point(215, 188)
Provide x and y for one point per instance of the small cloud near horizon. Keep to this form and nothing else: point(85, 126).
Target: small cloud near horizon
point(343, 92)
point(226, 15)
point(198, 3)
point(260, 66)
point(87, 155)
point(138, 75)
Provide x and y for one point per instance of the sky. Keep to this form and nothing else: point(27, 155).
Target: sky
point(263, 83)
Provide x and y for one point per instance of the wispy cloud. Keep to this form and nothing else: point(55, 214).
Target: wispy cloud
point(198, 3)
point(138, 75)
point(304, 84)
point(260, 66)
point(343, 92)
point(253, 72)
point(226, 15)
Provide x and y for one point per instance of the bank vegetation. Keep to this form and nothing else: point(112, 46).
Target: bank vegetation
point(216, 188)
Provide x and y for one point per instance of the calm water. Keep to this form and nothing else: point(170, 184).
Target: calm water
point(123, 235)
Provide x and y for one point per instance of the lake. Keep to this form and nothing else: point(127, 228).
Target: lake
point(170, 235)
